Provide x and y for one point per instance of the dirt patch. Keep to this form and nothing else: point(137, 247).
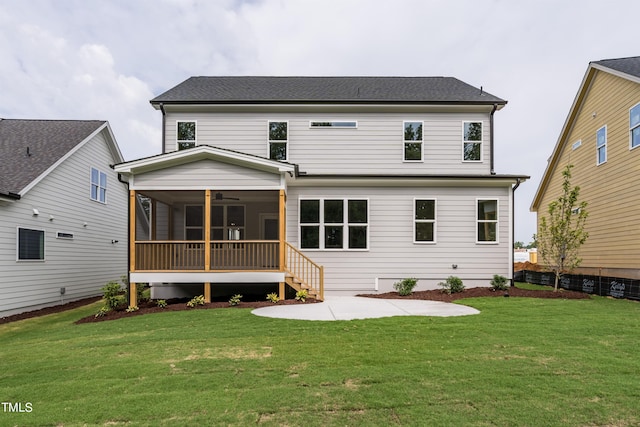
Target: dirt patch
point(49, 310)
point(438, 295)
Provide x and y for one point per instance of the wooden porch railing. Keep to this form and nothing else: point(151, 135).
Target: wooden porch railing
point(304, 271)
point(189, 255)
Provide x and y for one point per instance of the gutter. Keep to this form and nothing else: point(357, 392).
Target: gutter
point(164, 127)
point(513, 227)
point(493, 172)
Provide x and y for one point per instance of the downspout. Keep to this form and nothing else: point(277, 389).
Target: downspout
point(164, 122)
point(128, 232)
point(513, 227)
point(493, 172)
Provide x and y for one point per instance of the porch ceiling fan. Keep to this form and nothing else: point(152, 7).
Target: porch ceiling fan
point(220, 196)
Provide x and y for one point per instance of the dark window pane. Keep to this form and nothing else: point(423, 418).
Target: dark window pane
point(278, 151)
point(487, 210)
point(413, 131)
point(425, 209)
point(473, 131)
point(235, 216)
point(194, 234)
point(472, 151)
point(310, 237)
point(185, 145)
point(217, 218)
point(486, 231)
point(194, 216)
point(277, 131)
point(333, 237)
point(413, 151)
point(357, 211)
point(309, 211)
point(424, 232)
point(333, 211)
point(635, 137)
point(217, 234)
point(30, 244)
point(357, 237)
point(186, 131)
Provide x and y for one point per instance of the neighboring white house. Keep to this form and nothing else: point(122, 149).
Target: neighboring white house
point(63, 212)
point(360, 181)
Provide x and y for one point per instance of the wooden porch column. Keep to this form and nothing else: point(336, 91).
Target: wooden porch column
point(207, 230)
point(133, 296)
point(207, 292)
point(281, 292)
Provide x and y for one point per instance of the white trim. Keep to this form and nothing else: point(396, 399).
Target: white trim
point(497, 221)
point(606, 141)
point(277, 141)
point(195, 134)
point(311, 122)
point(44, 244)
point(481, 142)
point(434, 221)
point(99, 187)
point(81, 144)
point(132, 186)
point(345, 224)
point(637, 126)
point(211, 277)
point(421, 141)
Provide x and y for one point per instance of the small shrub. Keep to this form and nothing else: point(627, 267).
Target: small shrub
point(235, 300)
point(132, 308)
point(499, 283)
point(273, 297)
point(103, 311)
point(302, 295)
point(199, 300)
point(112, 294)
point(452, 285)
point(405, 286)
point(161, 303)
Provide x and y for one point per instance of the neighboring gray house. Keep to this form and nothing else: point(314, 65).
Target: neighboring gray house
point(341, 185)
point(63, 212)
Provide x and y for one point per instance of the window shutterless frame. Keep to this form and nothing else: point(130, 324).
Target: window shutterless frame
point(412, 141)
point(278, 140)
point(471, 141)
point(424, 220)
point(601, 145)
point(634, 126)
point(30, 244)
point(487, 221)
point(98, 192)
point(186, 134)
point(333, 224)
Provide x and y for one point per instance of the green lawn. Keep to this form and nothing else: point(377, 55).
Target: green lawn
point(521, 362)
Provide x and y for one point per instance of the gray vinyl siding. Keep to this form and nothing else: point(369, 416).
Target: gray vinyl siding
point(82, 265)
point(392, 255)
point(375, 146)
point(206, 174)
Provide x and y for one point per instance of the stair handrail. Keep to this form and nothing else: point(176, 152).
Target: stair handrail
point(308, 272)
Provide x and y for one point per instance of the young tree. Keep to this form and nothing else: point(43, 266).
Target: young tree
point(561, 235)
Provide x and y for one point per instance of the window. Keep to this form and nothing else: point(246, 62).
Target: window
point(335, 124)
point(413, 141)
point(425, 221)
point(472, 141)
point(227, 222)
point(334, 224)
point(98, 186)
point(487, 217)
point(185, 135)
point(278, 138)
point(63, 235)
point(194, 222)
point(634, 125)
point(601, 145)
point(30, 244)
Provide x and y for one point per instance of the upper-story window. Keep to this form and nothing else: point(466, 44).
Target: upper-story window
point(348, 124)
point(472, 141)
point(487, 218)
point(634, 125)
point(413, 141)
point(601, 145)
point(185, 134)
point(278, 139)
point(98, 186)
point(425, 221)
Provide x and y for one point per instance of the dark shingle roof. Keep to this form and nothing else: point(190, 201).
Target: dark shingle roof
point(30, 147)
point(234, 89)
point(629, 66)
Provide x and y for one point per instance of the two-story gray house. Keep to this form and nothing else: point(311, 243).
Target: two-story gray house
point(342, 185)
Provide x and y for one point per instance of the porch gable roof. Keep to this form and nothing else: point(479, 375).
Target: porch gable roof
point(203, 152)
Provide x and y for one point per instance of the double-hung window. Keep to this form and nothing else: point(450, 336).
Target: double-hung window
point(601, 145)
point(425, 221)
point(98, 186)
point(30, 244)
point(334, 224)
point(472, 141)
point(487, 219)
point(278, 139)
point(634, 126)
point(185, 134)
point(413, 141)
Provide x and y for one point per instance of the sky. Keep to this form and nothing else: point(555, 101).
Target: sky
point(105, 59)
